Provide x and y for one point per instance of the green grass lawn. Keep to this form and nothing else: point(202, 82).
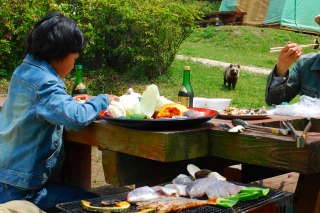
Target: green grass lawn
point(208, 82)
point(246, 45)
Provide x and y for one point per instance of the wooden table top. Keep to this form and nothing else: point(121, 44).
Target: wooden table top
point(252, 146)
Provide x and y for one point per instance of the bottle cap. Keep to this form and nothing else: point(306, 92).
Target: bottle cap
point(186, 68)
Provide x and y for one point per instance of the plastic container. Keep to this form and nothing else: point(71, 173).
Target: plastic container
point(211, 103)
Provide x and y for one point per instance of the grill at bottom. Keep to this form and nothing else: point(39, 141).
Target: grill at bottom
point(276, 201)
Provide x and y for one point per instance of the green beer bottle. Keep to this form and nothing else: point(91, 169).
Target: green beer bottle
point(185, 95)
point(79, 87)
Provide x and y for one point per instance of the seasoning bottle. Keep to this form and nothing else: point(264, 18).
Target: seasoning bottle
point(79, 87)
point(185, 95)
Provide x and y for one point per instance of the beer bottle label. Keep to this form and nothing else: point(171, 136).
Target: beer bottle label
point(80, 86)
point(184, 100)
point(183, 89)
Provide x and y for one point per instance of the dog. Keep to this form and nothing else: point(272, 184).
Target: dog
point(231, 75)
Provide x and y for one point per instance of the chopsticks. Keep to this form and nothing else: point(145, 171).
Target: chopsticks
point(278, 49)
point(315, 46)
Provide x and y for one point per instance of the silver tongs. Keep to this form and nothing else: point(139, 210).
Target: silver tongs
point(300, 139)
point(276, 131)
point(315, 45)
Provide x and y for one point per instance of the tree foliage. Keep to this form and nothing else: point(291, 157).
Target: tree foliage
point(140, 37)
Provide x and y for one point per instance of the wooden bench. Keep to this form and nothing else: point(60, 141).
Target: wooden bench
point(223, 18)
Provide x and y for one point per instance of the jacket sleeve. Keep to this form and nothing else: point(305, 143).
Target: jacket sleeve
point(57, 107)
point(284, 92)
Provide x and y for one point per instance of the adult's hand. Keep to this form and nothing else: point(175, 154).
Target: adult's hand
point(287, 56)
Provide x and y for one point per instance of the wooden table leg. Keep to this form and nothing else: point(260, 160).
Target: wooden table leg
point(77, 165)
point(307, 194)
point(122, 169)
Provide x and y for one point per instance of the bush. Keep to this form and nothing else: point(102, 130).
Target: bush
point(140, 37)
point(17, 19)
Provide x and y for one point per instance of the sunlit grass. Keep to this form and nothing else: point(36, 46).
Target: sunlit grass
point(246, 45)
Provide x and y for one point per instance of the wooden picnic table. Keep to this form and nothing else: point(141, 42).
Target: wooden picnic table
point(142, 157)
point(223, 18)
point(131, 156)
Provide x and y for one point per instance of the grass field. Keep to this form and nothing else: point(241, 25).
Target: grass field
point(246, 45)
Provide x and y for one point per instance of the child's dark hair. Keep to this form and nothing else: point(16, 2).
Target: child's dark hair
point(54, 37)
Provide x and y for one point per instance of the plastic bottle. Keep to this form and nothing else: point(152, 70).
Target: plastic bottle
point(79, 87)
point(185, 95)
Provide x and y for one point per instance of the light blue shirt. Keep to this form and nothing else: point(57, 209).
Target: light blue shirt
point(32, 120)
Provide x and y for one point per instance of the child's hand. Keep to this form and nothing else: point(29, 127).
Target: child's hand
point(81, 98)
point(112, 98)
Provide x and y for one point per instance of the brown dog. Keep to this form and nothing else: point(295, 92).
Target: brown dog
point(231, 75)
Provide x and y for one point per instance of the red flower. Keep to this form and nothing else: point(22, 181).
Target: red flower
point(7, 35)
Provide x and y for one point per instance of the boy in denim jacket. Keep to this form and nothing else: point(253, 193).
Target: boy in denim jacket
point(36, 111)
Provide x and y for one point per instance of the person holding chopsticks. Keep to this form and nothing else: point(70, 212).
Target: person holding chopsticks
point(303, 78)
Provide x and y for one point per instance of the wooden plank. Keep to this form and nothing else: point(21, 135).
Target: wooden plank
point(77, 165)
point(224, 17)
point(210, 22)
point(286, 182)
point(153, 145)
point(278, 152)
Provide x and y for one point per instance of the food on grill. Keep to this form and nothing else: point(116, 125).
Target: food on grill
point(198, 187)
point(252, 193)
point(165, 191)
point(143, 193)
point(180, 188)
point(192, 169)
point(121, 206)
point(182, 179)
point(222, 188)
point(170, 110)
point(147, 211)
point(212, 188)
point(173, 204)
point(197, 173)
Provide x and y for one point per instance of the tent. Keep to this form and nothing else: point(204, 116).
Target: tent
point(296, 14)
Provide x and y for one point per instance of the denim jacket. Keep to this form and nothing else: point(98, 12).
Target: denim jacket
point(303, 79)
point(32, 120)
